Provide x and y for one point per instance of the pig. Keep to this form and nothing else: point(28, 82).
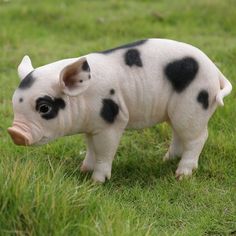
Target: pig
point(133, 86)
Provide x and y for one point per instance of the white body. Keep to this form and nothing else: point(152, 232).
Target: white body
point(142, 92)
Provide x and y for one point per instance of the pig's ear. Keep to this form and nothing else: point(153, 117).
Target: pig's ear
point(75, 78)
point(25, 67)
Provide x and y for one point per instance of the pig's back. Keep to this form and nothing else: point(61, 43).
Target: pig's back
point(140, 72)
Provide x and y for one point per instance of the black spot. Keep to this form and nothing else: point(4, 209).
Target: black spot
point(85, 66)
point(109, 110)
point(21, 100)
point(55, 104)
point(81, 81)
point(132, 57)
point(181, 72)
point(89, 76)
point(129, 45)
point(112, 91)
point(27, 82)
point(203, 98)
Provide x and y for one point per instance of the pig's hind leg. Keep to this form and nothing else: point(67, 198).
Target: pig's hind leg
point(189, 119)
point(191, 153)
point(175, 149)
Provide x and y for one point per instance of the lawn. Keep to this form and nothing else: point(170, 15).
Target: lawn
point(42, 191)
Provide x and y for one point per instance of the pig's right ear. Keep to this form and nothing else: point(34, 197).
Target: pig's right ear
point(75, 78)
point(25, 67)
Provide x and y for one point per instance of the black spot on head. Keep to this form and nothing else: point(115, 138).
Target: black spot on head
point(49, 107)
point(132, 57)
point(112, 91)
point(85, 66)
point(21, 100)
point(109, 110)
point(203, 98)
point(181, 72)
point(129, 45)
point(27, 82)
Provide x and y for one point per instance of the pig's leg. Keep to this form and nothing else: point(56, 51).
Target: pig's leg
point(191, 152)
point(175, 149)
point(192, 131)
point(190, 123)
point(89, 161)
point(189, 113)
point(105, 145)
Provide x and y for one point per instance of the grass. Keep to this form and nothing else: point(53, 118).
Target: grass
point(42, 191)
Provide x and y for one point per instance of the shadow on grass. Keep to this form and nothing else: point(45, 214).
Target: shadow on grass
point(128, 173)
point(144, 173)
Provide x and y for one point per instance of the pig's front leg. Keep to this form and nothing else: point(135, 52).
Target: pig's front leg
point(89, 161)
point(105, 145)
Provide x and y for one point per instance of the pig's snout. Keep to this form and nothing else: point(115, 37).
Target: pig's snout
point(18, 137)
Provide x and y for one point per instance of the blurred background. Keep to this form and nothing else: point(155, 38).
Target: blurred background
point(51, 30)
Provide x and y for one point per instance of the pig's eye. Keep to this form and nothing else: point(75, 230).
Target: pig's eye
point(44, 108)
point(48, 107)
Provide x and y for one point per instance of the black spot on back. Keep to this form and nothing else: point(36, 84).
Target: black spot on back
point(129, 45)
point(21, 100)
point(85, 66)
point(181, 72)
point(27, 82)
point(109, 110)
point(132, 57)
point(203, 98)
point(54, 103)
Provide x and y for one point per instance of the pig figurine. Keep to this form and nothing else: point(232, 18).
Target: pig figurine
point(132, 86)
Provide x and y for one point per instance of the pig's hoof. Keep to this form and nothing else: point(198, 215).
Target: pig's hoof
point(100, 177)
point(181, 174)
point(86, 168)
point(185, 170)
point(101, 172)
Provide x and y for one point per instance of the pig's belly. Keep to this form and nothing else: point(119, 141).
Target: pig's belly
point(147, 116)
point(142, 124)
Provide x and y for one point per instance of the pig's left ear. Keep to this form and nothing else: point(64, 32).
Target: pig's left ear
point(75, 78)
point(25, 67)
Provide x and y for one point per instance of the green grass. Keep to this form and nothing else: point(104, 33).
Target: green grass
point(42, 191)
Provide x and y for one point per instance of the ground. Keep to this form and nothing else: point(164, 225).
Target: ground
point(42, 191)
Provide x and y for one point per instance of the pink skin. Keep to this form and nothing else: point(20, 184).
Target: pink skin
point(18, 137)
point(25, 133)
point(20, 134)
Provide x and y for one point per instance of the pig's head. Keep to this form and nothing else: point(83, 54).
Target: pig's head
point(46, 101)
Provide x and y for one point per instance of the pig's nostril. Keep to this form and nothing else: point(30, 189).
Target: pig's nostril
point(18, 137)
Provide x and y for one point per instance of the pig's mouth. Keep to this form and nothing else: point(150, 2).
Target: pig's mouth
point(21, 134)
point(42, 141)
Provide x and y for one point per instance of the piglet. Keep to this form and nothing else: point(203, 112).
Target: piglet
point(132, 86)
